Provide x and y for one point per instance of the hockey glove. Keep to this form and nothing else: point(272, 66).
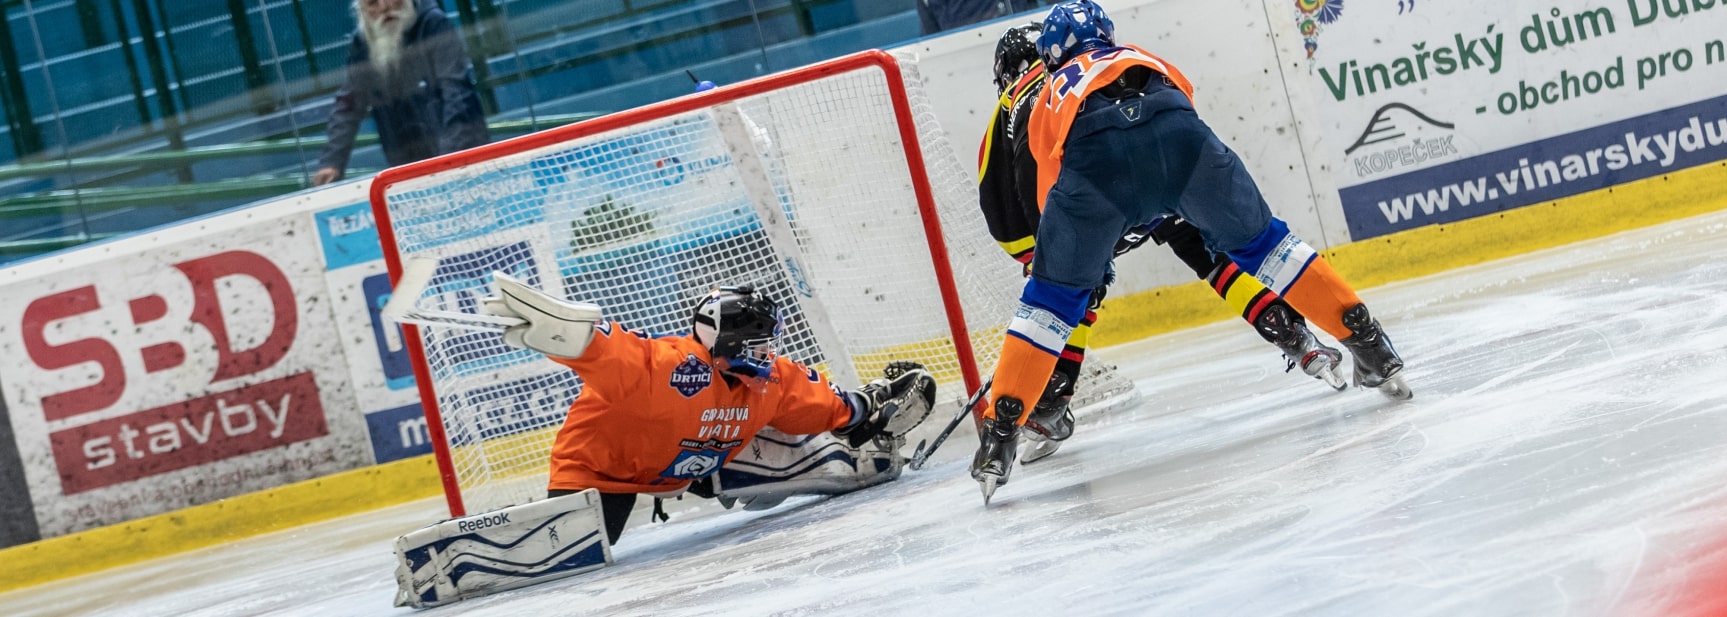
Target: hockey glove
point(1134, 236)
point(554, 327)
point(894, 369)
point(889, 406)
point(1102, 290)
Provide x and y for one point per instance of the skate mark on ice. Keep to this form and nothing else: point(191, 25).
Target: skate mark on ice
point(1494, 383)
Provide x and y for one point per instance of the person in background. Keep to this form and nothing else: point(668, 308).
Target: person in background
point(408, 68)
point(939, 15)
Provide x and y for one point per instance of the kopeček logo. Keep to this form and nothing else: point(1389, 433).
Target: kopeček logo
point(691, 376)
point(1399, 136)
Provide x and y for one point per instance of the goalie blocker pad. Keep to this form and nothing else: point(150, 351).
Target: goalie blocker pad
point(502, 549)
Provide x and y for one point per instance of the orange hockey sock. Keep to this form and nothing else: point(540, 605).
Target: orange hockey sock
point(1322, 296)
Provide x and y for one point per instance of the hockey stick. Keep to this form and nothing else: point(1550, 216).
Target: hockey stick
point(922, 454)
point(417, 274)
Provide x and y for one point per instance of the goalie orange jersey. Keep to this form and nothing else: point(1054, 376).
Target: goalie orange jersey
point(654, 414)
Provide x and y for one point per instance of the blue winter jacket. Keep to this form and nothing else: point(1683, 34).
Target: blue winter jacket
point(426, 107)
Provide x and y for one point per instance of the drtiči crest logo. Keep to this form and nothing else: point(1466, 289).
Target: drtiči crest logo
point(691, 376)
point(1397, 137)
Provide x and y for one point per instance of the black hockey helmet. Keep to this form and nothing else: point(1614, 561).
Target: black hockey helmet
point(1015, 53)
point(737, 324)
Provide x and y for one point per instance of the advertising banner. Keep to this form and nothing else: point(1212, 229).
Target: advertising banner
point(17, 510)
point(382, 375)
point(1434, 112)
point(199, 365)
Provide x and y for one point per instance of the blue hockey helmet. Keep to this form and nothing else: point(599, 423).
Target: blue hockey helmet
point(737, 324)
point(1073, 28)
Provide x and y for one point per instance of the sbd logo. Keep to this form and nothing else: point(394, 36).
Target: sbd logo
point(206, 312)
point(207, 425)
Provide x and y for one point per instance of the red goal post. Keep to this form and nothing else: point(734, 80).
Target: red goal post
point(813, 184)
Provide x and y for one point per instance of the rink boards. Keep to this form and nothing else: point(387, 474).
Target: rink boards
point(281, 423)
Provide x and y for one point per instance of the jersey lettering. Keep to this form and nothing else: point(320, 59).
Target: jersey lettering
point(726, 414)
point(1064, 80)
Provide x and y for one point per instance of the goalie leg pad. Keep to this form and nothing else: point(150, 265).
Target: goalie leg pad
point(502, 549)
point(776, 465)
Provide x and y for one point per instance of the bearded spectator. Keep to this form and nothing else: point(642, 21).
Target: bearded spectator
point(407, 67)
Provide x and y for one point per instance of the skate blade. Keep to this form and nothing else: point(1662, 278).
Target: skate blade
point(1395, 389)
point(1038, 448)
point(987, 482)
point(1332, 375)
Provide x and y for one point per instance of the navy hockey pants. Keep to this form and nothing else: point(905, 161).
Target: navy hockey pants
point(1129, 162)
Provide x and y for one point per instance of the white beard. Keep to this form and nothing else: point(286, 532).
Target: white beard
point(385, 38)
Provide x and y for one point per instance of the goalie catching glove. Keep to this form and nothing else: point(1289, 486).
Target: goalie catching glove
point(554, 327)
point(892, 405)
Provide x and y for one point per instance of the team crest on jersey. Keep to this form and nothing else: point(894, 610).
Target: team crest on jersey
point(694, 464)
point(692, 376)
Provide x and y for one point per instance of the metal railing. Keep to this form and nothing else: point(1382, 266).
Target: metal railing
point(88, 201)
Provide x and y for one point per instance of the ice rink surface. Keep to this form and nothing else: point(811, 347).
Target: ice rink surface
point(1565, 454)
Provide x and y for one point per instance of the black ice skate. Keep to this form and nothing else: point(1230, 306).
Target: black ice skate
point(1285, 329)
point(999, 442)
point(1377, 365)
point(1051, 422)
point(1048, 429)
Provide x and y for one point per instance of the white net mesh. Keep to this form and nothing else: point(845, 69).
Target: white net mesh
point(803, 191)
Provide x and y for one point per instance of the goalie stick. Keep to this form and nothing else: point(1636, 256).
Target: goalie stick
point(922, 454)
point(417, 273)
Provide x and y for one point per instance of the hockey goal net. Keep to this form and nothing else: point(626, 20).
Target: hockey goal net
point(829, 187)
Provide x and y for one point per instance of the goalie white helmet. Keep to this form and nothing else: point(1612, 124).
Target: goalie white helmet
point(743, 328)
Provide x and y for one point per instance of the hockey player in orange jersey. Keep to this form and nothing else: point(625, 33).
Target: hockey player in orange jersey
point(1118, 145)
point(658, 413)
point(1007, 186)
